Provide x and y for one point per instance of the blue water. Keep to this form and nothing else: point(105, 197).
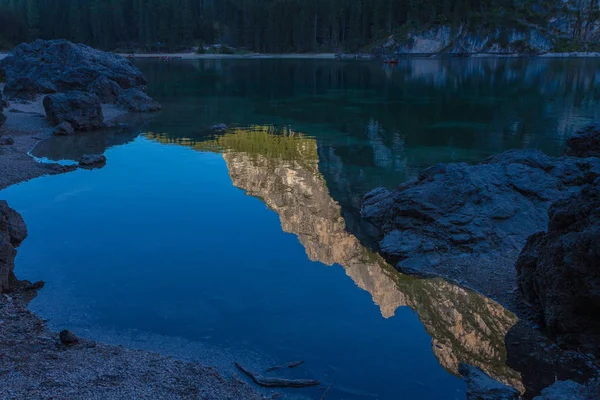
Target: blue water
point(160, 241)
point(234, 247)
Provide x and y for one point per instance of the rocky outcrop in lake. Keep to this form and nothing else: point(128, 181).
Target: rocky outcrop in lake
point(12, 232)
point(58, 66)
point(49, 66)
point(453, 217)
point(559, 270)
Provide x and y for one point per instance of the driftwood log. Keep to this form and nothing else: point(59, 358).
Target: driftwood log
point(277, 382)
point(288, 365)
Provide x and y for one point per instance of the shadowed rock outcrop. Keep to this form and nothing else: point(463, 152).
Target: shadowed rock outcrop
point(559, 270)
point(82, 111)
point(12, 232)
point(47, 66)
point(480, 213)
point(283, 171)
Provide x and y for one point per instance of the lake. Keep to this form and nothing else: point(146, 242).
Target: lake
point(247, 245)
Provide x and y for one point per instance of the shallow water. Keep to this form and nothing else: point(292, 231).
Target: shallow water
point(243, 246)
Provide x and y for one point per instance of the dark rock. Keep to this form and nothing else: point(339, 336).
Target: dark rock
point(135, 100)
point(569, 390)
point(63, 129)
point(91, 161)
point(82, 110)
point(219, 127)
point(12, 232)
point(486, 210)
point(481, 387)
point(559, 270)
point(26, 88)
point(59, 65)
point(107, 91)
point(68, 338)
point(3, 105)
point(586, 143)
point(7, 141)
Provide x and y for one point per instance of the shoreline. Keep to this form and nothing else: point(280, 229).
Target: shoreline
point(345, 57)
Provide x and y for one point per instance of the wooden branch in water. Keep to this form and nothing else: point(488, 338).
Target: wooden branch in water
point(326, 392)
point(277, 382)
point(288, 365)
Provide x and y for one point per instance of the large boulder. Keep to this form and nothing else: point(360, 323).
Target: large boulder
point(135, 100)
point(486, 211)
point(107, 91)
point(82, 110)
point(559, 270)
point(59, 65)
point(12, 232)
point(585, 143)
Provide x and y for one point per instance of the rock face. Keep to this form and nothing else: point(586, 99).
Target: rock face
point(12, 232)
point(81, 110)
point(58, 65)
point(585, 143)
point(481, 387)
point(559, 270)
point(444, 39)
point(569, 390)
point(482, 212)
point(107, 91)
point(135, 100)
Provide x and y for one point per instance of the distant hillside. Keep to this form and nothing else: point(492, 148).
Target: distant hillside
point(277, 26)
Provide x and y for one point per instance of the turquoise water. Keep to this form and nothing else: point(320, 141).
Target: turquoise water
point(244, 246)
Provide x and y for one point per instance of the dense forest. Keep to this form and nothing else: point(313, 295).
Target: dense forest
point(267, 25)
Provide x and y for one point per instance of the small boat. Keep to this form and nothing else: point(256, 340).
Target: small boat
point(390, 61)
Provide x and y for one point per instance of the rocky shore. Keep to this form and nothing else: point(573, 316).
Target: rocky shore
point(58, 88)
point(519, 227)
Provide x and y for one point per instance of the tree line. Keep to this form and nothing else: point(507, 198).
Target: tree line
point(265, 25)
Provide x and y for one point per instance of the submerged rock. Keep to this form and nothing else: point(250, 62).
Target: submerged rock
point(559, 270)
point(135, 100)
point(68, 338)
point(82, 110)
point(46, 66)
point(483, 211)
point(586, 143)
point(91, 161)
point(12, 232)
point(481, 387)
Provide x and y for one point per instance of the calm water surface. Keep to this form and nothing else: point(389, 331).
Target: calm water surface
point(243, 246)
